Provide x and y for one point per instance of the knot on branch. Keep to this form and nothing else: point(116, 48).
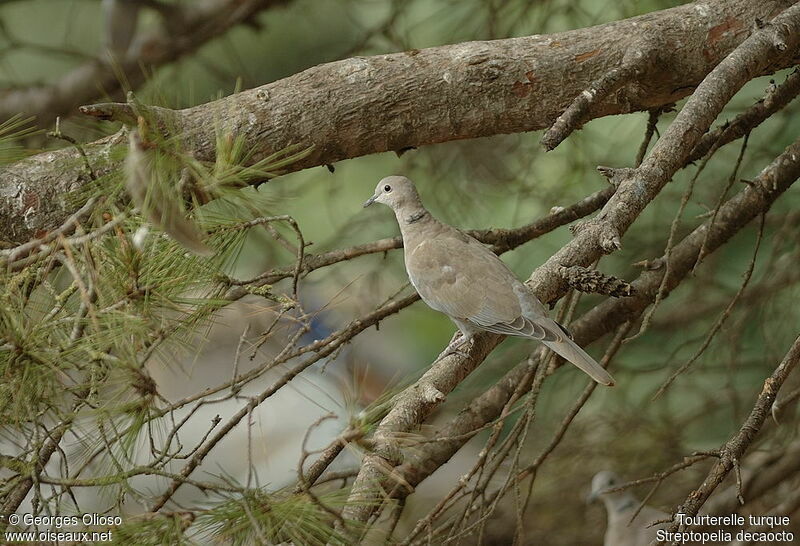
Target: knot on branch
point(593, 281)
point(615, 176)
point(389, 452)
point(781, 33)
point(579, 226)
point(609, 240)
point(430, 394)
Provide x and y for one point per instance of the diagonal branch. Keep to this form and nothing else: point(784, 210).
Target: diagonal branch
point(733, 216)
point(776, 98)
point(732, 451)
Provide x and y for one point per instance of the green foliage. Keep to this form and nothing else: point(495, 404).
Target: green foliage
point(259, 517)
point(86, 338)
point(12, 131)
point(155, 530)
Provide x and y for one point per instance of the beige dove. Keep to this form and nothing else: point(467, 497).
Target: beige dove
point(461, 277)
point(620, 507)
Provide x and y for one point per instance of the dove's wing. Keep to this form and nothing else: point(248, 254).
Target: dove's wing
point(462, 278)
point(465, 280)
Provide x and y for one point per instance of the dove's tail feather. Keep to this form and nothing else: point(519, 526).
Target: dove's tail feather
point(572, 352)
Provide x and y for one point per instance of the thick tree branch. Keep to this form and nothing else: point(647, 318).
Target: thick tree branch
point(361, 106)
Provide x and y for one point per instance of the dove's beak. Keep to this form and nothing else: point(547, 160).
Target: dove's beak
point(371, 200)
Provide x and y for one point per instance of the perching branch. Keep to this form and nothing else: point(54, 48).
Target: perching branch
point(733, 216)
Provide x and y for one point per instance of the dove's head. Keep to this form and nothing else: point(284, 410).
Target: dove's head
point(397, 192)
point(603, 480)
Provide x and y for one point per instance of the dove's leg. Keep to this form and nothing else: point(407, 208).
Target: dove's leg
point(461, 345)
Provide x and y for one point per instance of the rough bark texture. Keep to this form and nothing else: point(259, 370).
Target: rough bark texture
point(366, 105)
point(638, 187)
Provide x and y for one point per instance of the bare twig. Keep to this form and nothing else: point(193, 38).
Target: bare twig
point(723, 316)
point(733, 450)
point(652, 124)
point(636, 61)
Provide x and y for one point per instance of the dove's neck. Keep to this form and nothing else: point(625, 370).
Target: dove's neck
point(414, 220)
point(619, 502)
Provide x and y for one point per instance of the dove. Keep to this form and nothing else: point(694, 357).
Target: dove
point(620, 506)
point(155, 203)
point(462, 278)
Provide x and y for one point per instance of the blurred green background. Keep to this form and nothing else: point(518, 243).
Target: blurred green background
point(504, 181)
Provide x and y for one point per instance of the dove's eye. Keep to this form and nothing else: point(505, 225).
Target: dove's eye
point(387, 188)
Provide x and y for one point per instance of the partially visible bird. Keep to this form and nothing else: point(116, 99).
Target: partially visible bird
point(154, 199)
point(459, 276)
point(121, 20)
point(620, 507)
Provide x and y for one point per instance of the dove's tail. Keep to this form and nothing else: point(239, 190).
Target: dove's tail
point(572, 352)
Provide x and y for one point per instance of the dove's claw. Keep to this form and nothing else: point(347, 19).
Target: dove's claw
point(460, 346)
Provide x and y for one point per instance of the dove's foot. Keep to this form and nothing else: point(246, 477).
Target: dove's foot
point(460, 346)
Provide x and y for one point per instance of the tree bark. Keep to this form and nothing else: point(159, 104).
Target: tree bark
point(366, 105)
